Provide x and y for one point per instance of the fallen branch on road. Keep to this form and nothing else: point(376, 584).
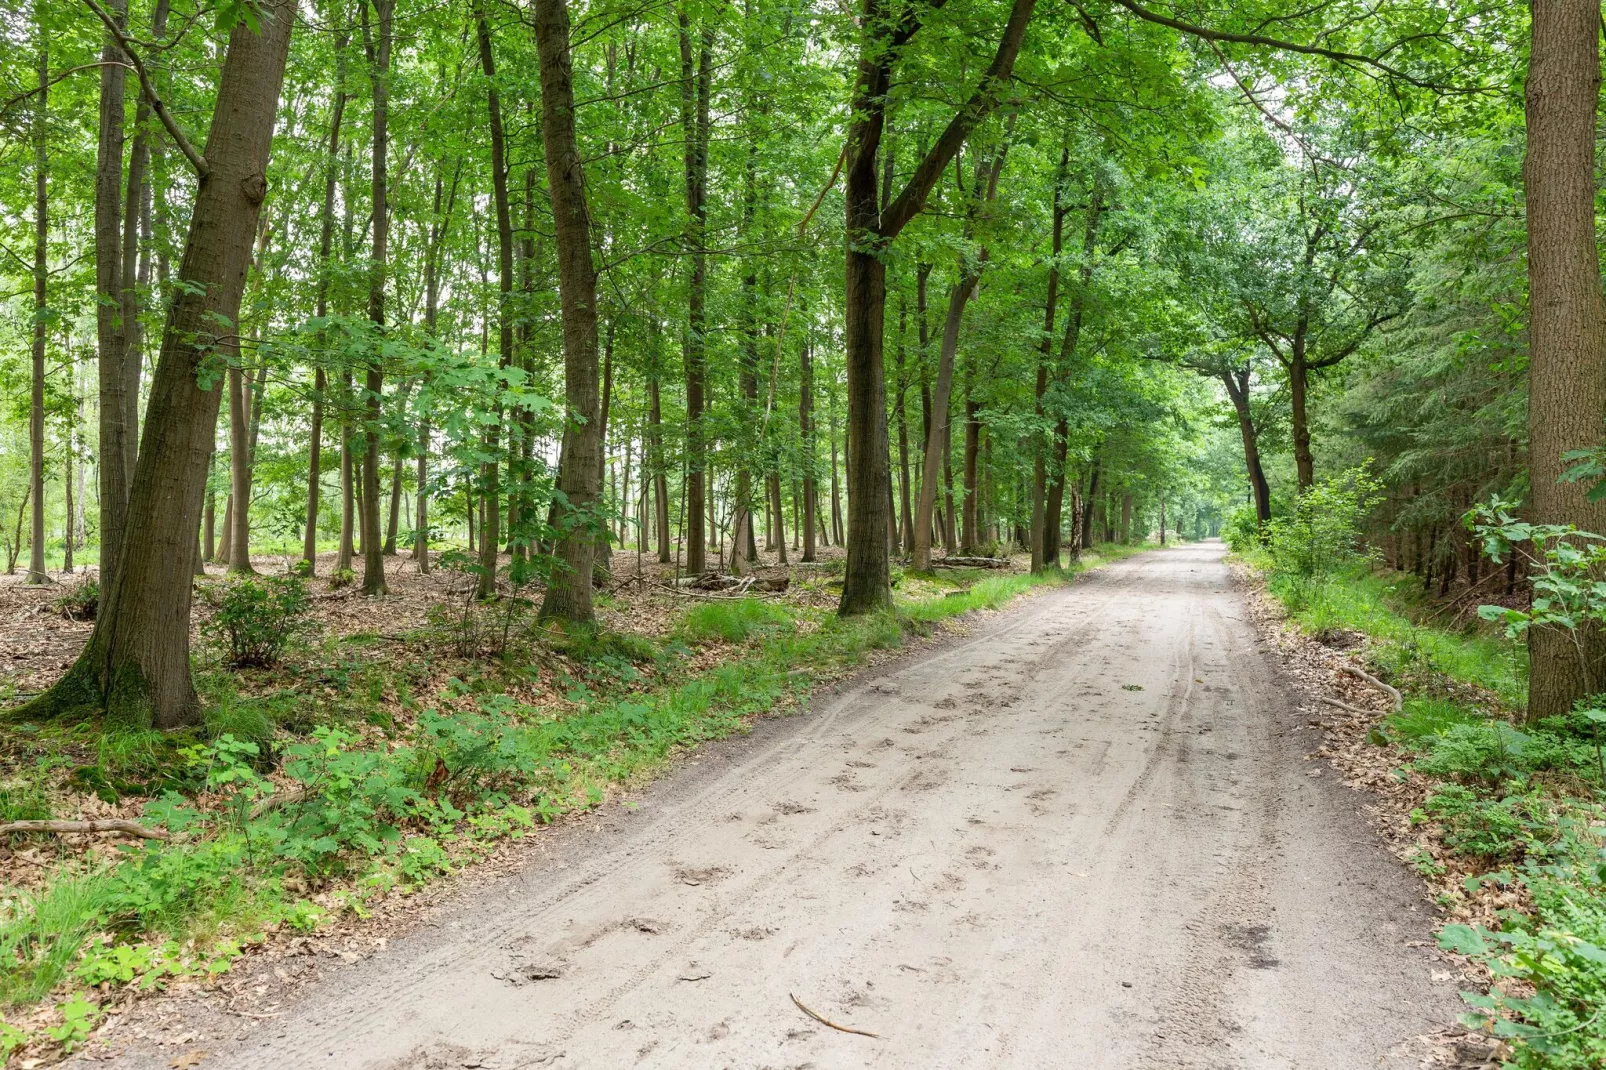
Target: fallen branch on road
point(826, 1021)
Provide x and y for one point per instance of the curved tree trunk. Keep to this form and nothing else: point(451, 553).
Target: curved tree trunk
point(136, 664)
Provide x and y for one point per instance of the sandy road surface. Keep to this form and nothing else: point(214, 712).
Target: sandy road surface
point(1084, 836)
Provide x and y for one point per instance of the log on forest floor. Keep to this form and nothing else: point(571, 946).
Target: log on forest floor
point(971, 562)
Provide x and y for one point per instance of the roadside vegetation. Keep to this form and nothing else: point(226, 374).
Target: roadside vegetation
point(326, 777)
point(1519, 803)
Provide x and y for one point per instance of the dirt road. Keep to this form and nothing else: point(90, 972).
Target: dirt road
point(1084, 836)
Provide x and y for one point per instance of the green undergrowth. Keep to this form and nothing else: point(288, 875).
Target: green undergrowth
point(287, 810)
point(1517, 803)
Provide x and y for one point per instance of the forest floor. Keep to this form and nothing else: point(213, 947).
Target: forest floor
point(1095, 832)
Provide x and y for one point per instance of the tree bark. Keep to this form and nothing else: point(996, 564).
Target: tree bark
point(694, 97)
point(109, 333)
point(320, 381)
point(41, 278)
point(136, 664)
point(490, 477)
point(378, 47)
point(1237, 382)
point(1567, 340)
point(866, 586)
point(805, 422)
point(237, 532)
point(568, 594)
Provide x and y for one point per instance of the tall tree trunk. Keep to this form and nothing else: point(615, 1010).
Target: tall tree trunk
point(326, 233)
point(41, 277)
point(440, 221)
point(1089, 527)
point(1567, 340)
point(907, 528)
point(870, 232)
point(489, 472)
point(660, 476)
point(378, 48)
point(1046, 543)
point(694, 96)
point(1237, 382)
point(1298, 393)
point(109, 328)
point(968, 541)
point(568, 594)
point(805, 423)
point(136, 664)
point(238, 530)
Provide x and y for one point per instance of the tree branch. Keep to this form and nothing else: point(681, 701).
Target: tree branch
point(1206, 34)
point(197, 161)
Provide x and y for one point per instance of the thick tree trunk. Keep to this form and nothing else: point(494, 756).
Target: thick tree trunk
point(136, 664)
point(1298, 391)
point(1567, 340)
point(41, 278)
point(568, 594)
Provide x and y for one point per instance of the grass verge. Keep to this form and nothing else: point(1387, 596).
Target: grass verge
point(282, 821)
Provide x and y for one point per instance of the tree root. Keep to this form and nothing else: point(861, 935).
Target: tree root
point(1362, 674)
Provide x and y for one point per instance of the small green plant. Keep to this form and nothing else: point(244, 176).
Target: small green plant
point(341, 578)
point(1493, 830)
point(78, 1018)
point(79, 602)
point(256, 618)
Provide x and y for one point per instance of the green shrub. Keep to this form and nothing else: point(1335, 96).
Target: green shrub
point(1495, 830)
point(1242, 530)
point(256, 618)
point(1322, 536)
point(79, 602)
point(735, 621)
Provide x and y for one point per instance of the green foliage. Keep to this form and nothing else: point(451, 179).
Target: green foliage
point(1242, 532)
point(1562, 956)
point(256, 618)
point(1492, 830)
point(1322, 535)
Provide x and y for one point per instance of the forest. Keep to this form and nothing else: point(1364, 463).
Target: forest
point(418, 419)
